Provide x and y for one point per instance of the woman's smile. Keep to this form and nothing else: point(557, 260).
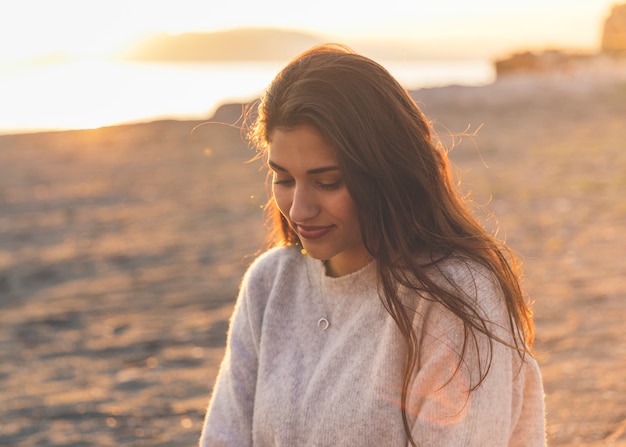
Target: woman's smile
point(313, 232)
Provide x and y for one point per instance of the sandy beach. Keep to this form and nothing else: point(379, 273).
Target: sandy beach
point(121, 251)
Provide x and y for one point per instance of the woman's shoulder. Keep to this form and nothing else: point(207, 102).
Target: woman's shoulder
point(273, 264)
point(276, 256)
point(464, 272)
point(472, 280)
point(268, 277)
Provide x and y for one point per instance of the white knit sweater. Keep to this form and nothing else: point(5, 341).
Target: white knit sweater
point(286, 382)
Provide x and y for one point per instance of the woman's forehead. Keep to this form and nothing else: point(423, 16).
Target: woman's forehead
point(302, 146)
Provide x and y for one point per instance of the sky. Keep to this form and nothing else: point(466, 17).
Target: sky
point(93, 28)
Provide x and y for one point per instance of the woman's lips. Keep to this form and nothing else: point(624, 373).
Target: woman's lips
point(311, 232)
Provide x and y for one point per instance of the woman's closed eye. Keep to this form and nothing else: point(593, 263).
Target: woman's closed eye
point(285, 181)
point(326, 186)
point(330, 186)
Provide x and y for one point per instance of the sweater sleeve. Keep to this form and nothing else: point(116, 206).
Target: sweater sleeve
point(228, 421)
point(449, 403)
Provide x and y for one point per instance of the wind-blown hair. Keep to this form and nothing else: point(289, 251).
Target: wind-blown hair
point(400, 182)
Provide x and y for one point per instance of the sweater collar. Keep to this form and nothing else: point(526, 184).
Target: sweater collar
point(356, 283)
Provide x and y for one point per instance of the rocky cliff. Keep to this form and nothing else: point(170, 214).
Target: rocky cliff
point(253, 44)
point(614, 32)
point(609, 62)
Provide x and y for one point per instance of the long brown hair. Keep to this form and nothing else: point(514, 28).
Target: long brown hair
point(400, 181)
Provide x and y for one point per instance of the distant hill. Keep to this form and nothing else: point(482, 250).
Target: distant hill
point(239, 44)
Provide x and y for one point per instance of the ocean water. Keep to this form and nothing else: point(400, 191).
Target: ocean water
point(88, 94)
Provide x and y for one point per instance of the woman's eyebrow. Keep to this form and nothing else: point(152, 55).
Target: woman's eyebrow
point(322, 169)
point(275, 167)
point(319, 170)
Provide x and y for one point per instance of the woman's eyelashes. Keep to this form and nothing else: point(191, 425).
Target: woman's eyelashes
point(283, 181)
point(331, 186)
point(325, 185)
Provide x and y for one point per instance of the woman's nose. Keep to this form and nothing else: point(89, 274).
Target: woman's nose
point(304, 205)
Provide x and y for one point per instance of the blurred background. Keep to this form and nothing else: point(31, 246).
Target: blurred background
point(129, 207)
point(73, 64)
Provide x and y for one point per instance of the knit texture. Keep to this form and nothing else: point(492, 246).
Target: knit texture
point(286, 382)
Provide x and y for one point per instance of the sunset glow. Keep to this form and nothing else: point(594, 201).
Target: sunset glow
point(53, 72)
point(97, 28)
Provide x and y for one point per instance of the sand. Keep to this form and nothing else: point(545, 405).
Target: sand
point(121, 250)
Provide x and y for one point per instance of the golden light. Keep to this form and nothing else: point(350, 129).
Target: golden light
point(80, 90)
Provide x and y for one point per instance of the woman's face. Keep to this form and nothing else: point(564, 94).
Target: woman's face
point(309, 190)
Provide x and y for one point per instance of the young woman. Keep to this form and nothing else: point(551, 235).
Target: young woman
point(383, 314)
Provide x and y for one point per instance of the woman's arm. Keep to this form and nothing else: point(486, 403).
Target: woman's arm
point(229, 417)
point(505, 409)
